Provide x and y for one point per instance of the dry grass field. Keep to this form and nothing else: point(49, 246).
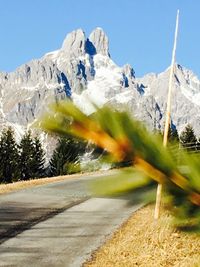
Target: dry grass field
point(143, 242)
point(7, 188)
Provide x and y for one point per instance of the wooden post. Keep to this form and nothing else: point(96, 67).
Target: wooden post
point(167, 120)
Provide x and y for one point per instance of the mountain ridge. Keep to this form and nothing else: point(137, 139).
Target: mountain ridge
point(83, 70)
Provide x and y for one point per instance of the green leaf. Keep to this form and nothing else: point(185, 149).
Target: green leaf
point(128, 140)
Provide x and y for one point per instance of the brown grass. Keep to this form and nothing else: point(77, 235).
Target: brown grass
point(6, 188)
point(142, 242)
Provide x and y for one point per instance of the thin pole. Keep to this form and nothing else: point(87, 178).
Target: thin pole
point(167, 120)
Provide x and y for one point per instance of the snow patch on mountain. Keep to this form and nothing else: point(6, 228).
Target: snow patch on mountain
point(191, 94)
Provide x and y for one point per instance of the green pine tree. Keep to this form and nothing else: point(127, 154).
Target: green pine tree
point(38, 159)
point(188, 138)
point(173, 136)
point(66, 156)
point(27, 152)
point(9, 155)
point(31, 157)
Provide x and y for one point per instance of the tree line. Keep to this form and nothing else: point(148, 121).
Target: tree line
point(26, 160)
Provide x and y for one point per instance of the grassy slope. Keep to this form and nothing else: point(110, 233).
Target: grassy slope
point(142, 242)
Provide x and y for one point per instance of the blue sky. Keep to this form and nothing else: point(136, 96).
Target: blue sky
point(140, 32)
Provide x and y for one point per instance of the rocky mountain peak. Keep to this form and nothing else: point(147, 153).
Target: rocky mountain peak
point(100, 41)
point(74, 44)
point(128, 71)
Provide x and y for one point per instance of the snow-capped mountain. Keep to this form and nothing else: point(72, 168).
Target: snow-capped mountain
point(83, 70)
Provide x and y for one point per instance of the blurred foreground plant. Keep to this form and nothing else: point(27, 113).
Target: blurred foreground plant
point(127, 140)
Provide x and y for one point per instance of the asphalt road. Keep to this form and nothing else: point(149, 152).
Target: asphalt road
point(57, 224)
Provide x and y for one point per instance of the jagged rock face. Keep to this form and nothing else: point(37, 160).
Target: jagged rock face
point(76, 57)
point(100, 41)
point(185, 106)
point(74, 45)
point(83, 70)
point(26, 92)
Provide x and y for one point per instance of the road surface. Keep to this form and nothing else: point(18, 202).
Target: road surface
point(57, 224)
